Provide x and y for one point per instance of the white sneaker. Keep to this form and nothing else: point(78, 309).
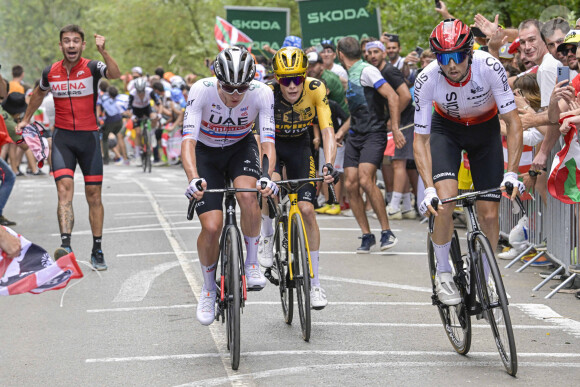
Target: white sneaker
point(410, 214)
point(317, 298)
point(510, 254)
point(347, 213)
point(266, 258)
point(394, 213)
point(255, 280)
point(206, 307)
point(446, 289)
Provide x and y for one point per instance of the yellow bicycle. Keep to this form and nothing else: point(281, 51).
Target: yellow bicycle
point(292, 267)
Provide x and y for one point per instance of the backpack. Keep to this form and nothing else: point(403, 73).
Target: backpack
point(32, 135)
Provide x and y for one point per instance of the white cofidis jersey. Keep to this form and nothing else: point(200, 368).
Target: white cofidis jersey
point(209, 121)
point(473, 101)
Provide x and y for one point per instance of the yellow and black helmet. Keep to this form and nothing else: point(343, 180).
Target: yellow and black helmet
point(289, 61)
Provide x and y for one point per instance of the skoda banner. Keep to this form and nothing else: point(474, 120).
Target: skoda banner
point(262, 24)
point(333, 19)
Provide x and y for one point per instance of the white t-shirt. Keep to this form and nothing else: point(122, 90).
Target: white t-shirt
point(547, 74)
point(371, 77)
point(339, 70)
point(209, 121)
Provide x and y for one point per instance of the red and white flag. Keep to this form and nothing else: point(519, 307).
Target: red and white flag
point(226, 35)
point(34, 271)
point(564, 180)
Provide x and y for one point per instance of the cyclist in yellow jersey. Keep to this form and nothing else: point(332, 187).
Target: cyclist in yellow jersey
point(297, 101)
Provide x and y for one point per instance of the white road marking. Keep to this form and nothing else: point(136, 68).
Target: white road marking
point(216, 331)
point(375, 253)
point(376, 283)
point(135, 288)
point(411, 325)
point(155, 253)
point(357, 366)
point(275, 303)
point(545, 313)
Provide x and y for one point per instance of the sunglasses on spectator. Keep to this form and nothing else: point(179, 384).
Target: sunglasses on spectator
point(286, 81)
point(565, 51)
point(229, 89)
point(445, 58)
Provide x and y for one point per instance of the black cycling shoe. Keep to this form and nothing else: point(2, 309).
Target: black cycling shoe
point(98, 260)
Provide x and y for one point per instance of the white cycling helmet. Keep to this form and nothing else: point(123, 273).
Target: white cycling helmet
point(140, 84)
point(234, 66)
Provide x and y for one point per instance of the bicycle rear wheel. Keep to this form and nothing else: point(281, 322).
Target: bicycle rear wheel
point(301, 273)
point(455, 319)
point(495, 304)
point(233, 294)
point(281, 261)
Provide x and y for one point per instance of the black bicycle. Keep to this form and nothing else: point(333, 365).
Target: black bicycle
point(146, 151)
point(292, 267)
point(231, 294)
point(481, 288)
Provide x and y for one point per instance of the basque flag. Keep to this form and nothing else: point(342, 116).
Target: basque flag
point(34, 271)
point(226, 35)
point(564, 180)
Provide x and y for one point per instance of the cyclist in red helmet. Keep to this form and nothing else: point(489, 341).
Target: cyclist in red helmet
point(467, 89)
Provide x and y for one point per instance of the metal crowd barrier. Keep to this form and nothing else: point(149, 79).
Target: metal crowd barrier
point(554, 232)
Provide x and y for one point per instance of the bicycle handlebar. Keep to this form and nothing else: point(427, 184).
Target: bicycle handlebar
point(271, 204)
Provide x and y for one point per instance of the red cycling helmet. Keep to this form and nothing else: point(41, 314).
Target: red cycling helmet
point(451, 35)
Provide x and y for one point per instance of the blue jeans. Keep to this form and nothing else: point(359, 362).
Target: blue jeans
point(8, 178)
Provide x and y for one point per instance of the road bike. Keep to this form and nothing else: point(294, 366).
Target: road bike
point(232, 294)
point(479, 282)
point(292, 267)
point(146, 151)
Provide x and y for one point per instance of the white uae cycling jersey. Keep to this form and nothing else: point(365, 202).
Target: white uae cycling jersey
point(208, 120)
point(473, 101)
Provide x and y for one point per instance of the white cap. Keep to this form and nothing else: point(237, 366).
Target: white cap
point(137, 69)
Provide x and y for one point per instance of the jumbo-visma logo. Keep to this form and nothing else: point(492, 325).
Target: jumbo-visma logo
point(337, 15)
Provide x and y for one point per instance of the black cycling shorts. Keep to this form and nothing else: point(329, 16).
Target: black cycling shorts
point(82, 147)
point(484, 150)
point(365, 148)
point(218, 165)
point(296, 156)
point(142, 112)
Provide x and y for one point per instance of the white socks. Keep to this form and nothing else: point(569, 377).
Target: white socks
point(315, 281)
point(407, 201)
point(442, 257)
point(395, 203)
point(251, 250)
point(209, 277)
point(267, 229)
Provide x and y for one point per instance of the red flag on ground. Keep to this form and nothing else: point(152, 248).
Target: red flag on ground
point(34, 271)
point(226, 35)
point(564, 180)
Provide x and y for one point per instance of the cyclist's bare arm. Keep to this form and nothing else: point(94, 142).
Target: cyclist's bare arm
point(113, 71)
point(35, 101)
point(2, 87)
point(188, 158)
point(514, 139)
point(422, 152)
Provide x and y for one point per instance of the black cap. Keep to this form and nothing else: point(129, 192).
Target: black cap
point(14, 103)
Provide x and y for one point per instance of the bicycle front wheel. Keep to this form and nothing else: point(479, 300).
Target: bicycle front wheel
point(145, 151)
point(281, 261)
point(495, 304)
point(233, 294)
point(301, 272)
point(455, 319)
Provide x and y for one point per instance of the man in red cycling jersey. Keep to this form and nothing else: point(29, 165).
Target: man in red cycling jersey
point(466, 89)
point(73, 82)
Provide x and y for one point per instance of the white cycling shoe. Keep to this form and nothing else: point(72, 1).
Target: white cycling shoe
point(317, 298)
point(255, 280)
point(266, 255)
point(447, 291)
point(206, 307)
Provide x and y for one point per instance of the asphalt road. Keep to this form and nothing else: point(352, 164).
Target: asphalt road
point(135, 325)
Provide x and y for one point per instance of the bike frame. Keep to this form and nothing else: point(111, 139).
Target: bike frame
point(230, 222)
point(294, 209)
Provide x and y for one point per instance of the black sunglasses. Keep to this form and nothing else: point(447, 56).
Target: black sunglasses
point(565, 51)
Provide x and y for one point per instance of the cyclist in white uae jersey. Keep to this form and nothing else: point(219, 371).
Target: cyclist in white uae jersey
point(218, 143)
point(466, 89)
